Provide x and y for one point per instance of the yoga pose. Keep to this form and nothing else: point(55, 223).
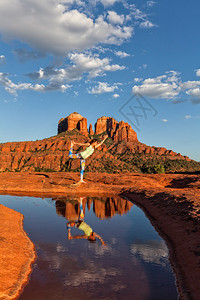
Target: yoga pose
point(92, 145)
point(89, 234)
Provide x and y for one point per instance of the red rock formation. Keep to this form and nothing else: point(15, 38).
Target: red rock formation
point(91, 131)
point(52, 153)
point(117, 131)
point(105, 124)
point(82, 126)
point(73, 121)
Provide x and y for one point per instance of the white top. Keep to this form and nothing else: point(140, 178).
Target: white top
point(87, 152)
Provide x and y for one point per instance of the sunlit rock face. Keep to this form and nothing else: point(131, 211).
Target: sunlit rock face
point(118, 131)
point(73, 121)
point(91, 131)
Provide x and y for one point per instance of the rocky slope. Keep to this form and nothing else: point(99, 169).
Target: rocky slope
point(122, 152)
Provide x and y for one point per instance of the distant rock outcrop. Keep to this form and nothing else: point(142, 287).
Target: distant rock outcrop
point(73, 121)
point(117, 131)
point(91, 131)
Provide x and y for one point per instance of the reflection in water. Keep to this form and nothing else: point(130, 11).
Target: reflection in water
point(89, 234)
point(133, 264)
point(154, 252)
point(102, 207)
point(74, 211)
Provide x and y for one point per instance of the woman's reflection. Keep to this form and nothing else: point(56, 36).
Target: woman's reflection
point(80, 224)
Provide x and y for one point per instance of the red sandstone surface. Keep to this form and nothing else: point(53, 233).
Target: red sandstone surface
point(16, 254)
point(118, 131)
point(171, 201)
point(73, 121)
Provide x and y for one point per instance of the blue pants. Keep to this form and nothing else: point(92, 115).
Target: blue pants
point(82, 161)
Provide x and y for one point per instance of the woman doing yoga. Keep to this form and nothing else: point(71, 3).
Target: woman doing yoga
point(92, 145)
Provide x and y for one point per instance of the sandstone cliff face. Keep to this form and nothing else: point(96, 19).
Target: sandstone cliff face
point(91, 131)
point(73, 121)
point(117, 131)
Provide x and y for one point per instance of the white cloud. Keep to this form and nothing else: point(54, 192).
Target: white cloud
point(114, 18)
point(158, 87)
point(58, 78)
point(195, 92)
point(55, 28)
point(164, 120)
point(108, 2)
point(146, 24)
point(141, 17)
point(188, 117)
point(151, 3)
point(92, 65)
point(168, 86)
point(121, 54)
point(103, 87)
point(138, 79)
point(191, 117)
point(2, 58)
point(12, 87)
point(198, 72)
point(144, 66)
point(137, 13)
point(82, 64)
point(190, 84)
point(116, 96)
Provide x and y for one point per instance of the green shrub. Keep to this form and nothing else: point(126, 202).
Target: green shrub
point(159, 169)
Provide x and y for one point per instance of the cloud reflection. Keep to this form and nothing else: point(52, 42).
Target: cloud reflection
point(152, 252)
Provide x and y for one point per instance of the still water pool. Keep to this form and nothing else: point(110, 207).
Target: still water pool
point(128, 260)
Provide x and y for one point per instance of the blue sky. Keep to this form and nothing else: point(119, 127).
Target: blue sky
point(57, 57)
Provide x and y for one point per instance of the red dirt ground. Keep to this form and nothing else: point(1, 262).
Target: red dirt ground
point(16, 254)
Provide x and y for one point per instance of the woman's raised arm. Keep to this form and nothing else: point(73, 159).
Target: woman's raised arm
point(98, 145)
point(81, 144)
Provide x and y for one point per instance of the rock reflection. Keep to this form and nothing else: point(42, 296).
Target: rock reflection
point(74, 212)
point(102, 207)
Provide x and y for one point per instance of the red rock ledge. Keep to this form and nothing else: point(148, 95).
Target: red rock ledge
point(16, 254)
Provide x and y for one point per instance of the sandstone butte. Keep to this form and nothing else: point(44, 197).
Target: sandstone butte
point(51, 154)
point(16, 254)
